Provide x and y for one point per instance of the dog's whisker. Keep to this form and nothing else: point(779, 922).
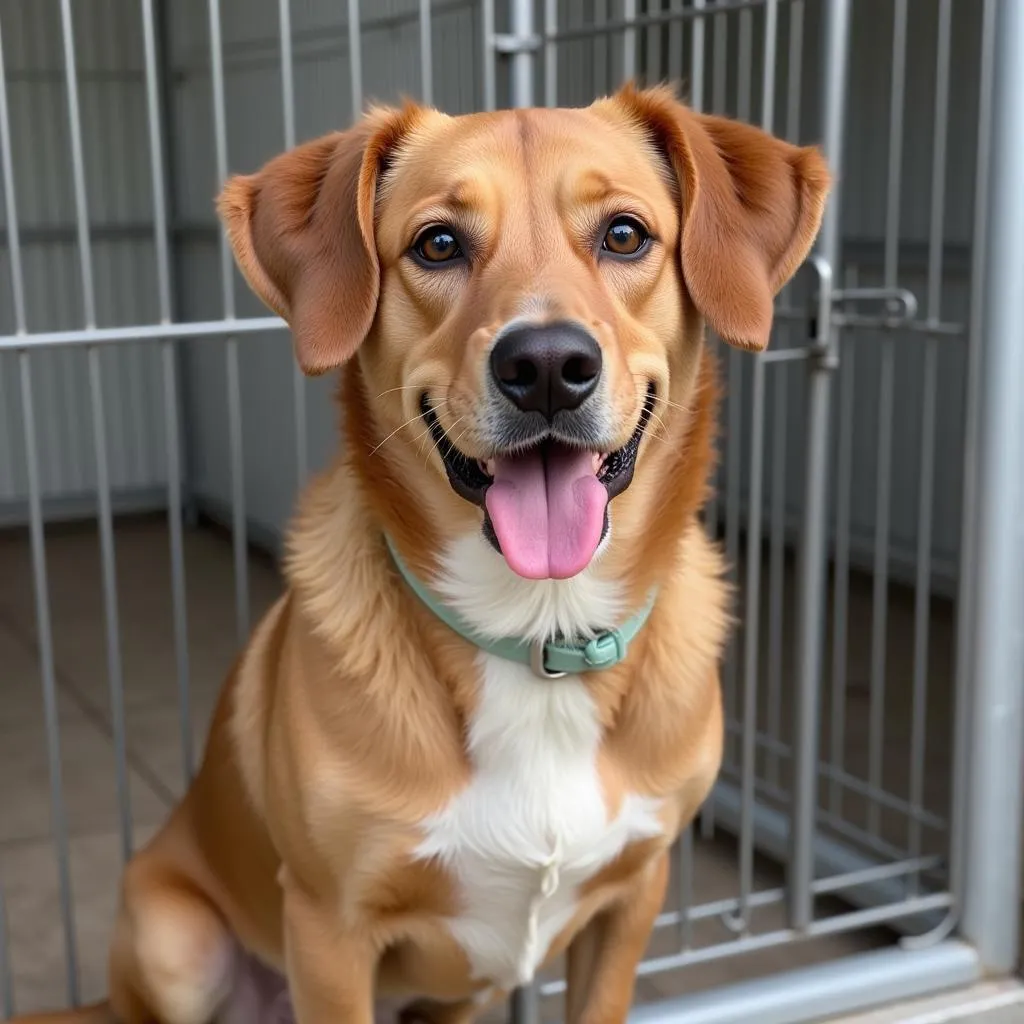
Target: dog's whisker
point(401, 426)
point(436, 441)
point(653, 435)
point(406, 387)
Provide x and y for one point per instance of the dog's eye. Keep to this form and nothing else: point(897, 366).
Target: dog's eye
point(625, 237)
point(437, 245)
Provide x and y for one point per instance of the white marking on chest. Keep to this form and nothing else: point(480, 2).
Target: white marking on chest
point(532, 825)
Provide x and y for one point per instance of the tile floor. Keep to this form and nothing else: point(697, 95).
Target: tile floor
point(993, 1002)
point(28, 865)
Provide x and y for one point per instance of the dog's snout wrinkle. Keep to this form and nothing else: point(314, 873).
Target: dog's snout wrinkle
point(548, 369)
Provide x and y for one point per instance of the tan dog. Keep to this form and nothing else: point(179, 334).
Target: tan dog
point(399, 796)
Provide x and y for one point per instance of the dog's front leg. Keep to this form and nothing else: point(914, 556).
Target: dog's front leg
point(602, 959)
point(330, 972)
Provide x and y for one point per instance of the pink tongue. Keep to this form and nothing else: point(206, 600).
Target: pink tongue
point(547, 508)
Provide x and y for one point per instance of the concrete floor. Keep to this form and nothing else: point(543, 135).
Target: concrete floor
point(28, 865)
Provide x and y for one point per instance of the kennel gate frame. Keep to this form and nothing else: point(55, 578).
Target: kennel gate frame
point(981, 884)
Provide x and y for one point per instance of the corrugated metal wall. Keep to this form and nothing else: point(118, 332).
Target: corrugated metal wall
point(112, 97)
point(112, 94)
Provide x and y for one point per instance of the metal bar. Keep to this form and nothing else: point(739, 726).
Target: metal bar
point(697, 40)
point(161, 243)
point(490, 83)
point(751, 648)
point(522, 59)
point(734, 450)
point(426, 54)
point(771, 36)
point(239, 526)
point(524, 1005)
point(779, 437)
point(684, 864)
point(628, 39)
point(355, 59)
point(822, 991)
point(886, 397)
point(720, 908)
point(113, 628)
point(811, 576)
point(58, 810)
point(719, 68)
point(776, 567)
point(871, 916)
point(841, 573)
point(284, 26)
point(991, 909)
point(11, 206)
point(879, 873)
point(899, 325)
point(77, 165)
point(922, 589)
point(164, 30)
point(220, 134)
point(95, 370)
point(172, 426)
point(550, 54)
point(284, 11)
point(142, 332)
point(600, 48)
point(967, 590)
point(733, 484)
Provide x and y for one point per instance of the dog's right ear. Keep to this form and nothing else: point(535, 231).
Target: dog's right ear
point(302, 231)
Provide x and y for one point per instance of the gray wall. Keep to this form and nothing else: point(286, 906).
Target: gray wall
point(109, 50)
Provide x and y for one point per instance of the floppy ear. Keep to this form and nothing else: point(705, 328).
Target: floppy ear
point(751, 208)
point(302, 232)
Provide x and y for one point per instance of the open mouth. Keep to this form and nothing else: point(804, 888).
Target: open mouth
point(546, 505)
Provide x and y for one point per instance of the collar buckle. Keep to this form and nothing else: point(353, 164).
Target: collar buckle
point(605, 650)
point(538, 661)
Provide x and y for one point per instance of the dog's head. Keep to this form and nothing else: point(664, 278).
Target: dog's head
point(525, 293)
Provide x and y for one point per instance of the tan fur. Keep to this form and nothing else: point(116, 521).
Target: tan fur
point(342, 727)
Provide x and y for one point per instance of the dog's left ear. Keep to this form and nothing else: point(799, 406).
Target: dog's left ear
point(751, 208)
point(302, 232)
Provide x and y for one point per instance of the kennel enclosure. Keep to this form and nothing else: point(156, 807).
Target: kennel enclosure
point(869, 492)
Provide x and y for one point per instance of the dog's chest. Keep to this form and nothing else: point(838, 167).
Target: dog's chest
point(532, 826)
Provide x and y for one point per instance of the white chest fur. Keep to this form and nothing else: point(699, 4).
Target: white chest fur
point(532, 825)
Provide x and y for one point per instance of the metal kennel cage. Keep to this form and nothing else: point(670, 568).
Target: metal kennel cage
point(872, 782)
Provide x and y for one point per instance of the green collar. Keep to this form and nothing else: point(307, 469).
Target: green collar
point(549, 660)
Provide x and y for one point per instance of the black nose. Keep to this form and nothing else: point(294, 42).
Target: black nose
point(547, 369)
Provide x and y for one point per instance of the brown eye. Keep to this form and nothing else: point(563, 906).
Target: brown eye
point(625, 237)
point(437, 245)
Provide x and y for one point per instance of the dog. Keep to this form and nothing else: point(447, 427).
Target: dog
point(464, 740)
